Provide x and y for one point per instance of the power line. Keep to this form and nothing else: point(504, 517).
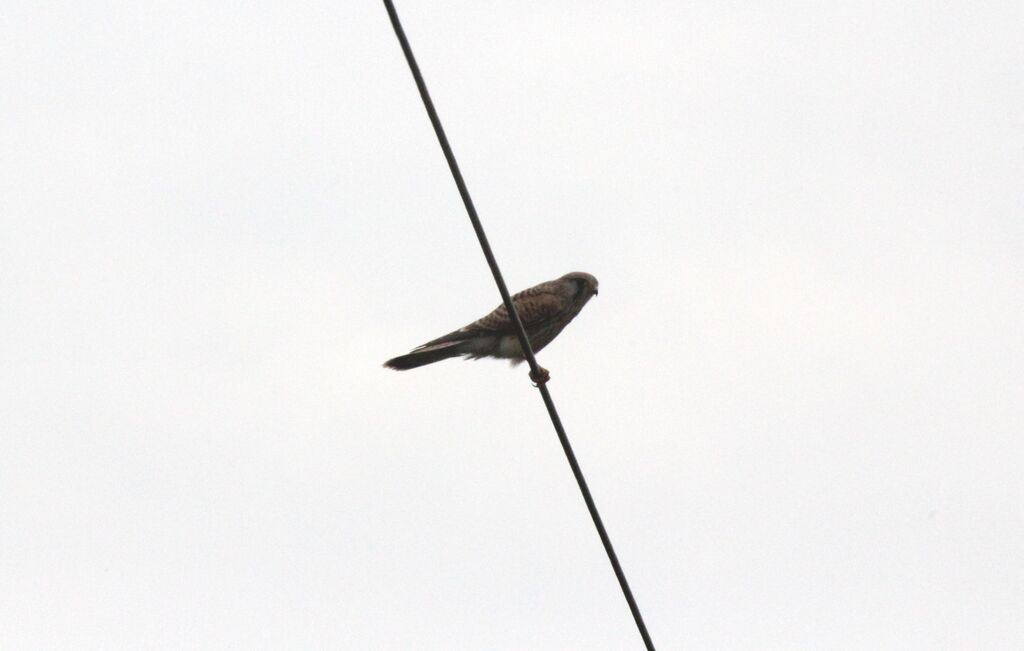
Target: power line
point(524, 340)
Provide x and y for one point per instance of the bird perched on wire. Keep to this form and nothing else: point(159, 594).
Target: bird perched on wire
point(544, 309)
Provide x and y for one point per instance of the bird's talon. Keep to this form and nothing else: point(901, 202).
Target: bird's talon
point(541, 377)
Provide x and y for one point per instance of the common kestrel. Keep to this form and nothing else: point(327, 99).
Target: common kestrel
point(544, 310)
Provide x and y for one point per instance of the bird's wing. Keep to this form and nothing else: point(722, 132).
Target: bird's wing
point(535, 306)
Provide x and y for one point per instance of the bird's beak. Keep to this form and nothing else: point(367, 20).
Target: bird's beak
point(595, 291)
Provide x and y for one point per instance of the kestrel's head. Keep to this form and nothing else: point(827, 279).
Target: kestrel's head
point(585, 283)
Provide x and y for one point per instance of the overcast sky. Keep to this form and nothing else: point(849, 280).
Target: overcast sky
point(798, 399)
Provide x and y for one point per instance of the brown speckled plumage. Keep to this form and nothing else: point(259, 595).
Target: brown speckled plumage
point(544, 309)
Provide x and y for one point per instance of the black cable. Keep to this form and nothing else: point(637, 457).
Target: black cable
point(524, 340)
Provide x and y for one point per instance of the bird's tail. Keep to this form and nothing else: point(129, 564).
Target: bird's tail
point(426, 355)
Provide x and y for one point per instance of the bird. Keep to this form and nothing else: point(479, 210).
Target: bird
point(544, 310)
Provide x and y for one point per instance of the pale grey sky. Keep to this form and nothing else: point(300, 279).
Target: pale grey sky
point(798, 398)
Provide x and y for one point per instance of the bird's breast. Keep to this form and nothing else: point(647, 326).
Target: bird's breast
point(508, 346)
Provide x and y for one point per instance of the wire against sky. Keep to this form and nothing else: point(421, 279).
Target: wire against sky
point(524, 340)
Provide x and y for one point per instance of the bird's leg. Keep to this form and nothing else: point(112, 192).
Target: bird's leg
point(540, 378)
